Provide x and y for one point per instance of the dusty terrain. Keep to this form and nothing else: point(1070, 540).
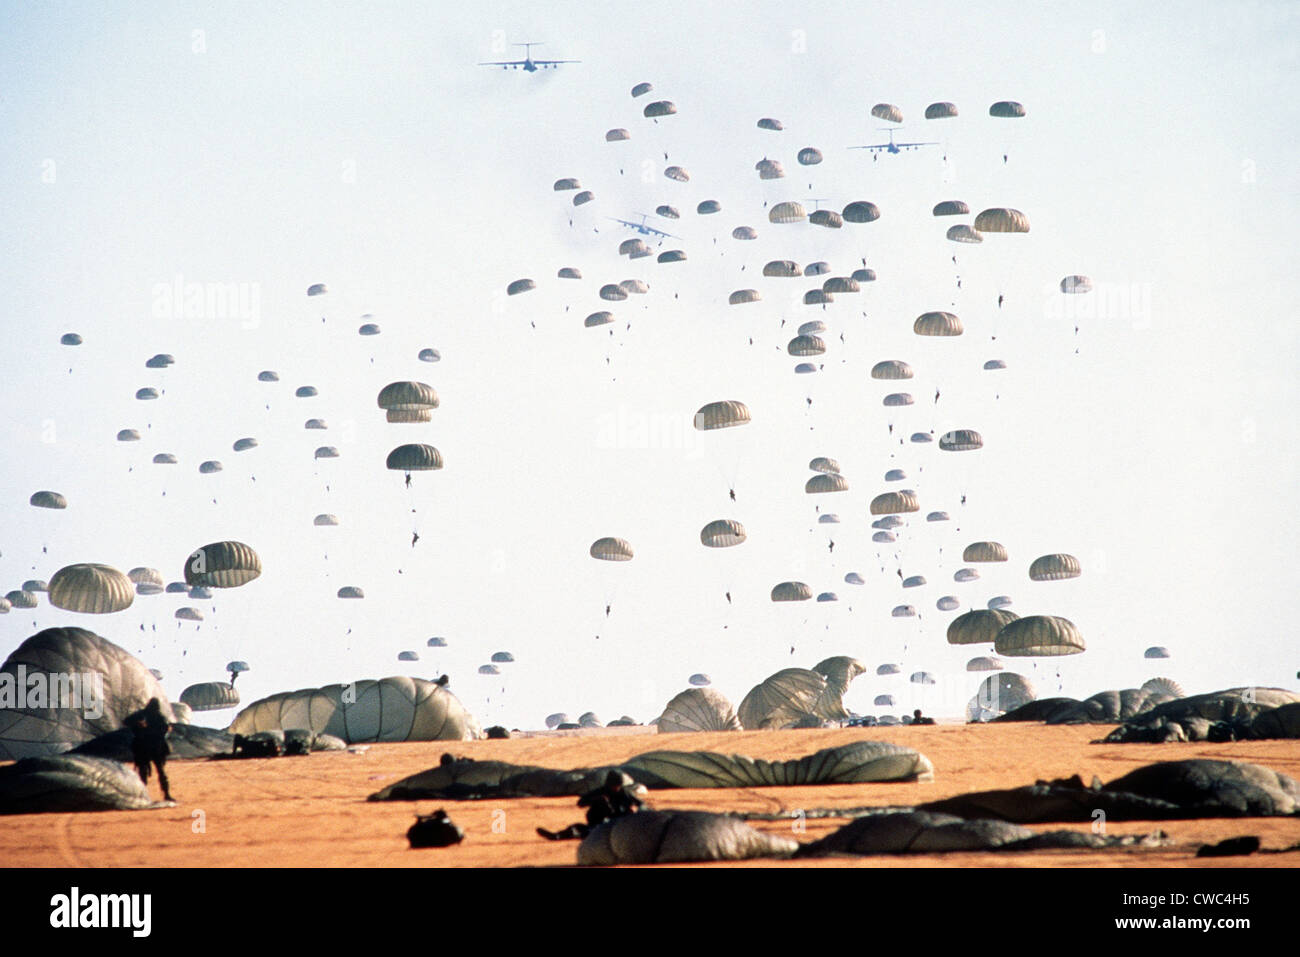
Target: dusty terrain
point(312, 811)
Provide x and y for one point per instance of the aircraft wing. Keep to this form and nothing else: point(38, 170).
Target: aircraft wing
point(900, 145)
point(502, 63)
point(881, 146)
point(553, 62)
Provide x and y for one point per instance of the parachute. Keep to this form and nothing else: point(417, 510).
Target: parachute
point(891, 369)
point(1156, 651)
point(267, 376)
point(887, 111)
point(325, 519)
point(826, 217)
point(567, 182)
point(305, 391)
point(791, 591)
point(965, 575)
point(839, 672)
point(436, 642)
point(948, 603)
point(672, 256)
point(635, 286)
point(767, 123)
point(984, 552)
point(160, 361)
point(407, 656)
point(407, 396)
point(128, 435)
point(937, 517)
point(891, 503)
point(164, 458)
point(828, 518)
point(1058, 567)
point(922, 678)
point(861, 211)
point(828, 596)
point(721, 415)
point(788, 212)
point(641, 89)
point(789, 697)
point(700, 680)
point(188, 614)
point(34, 725)
point(581, 199)
point(520, 285)
point(502, 657)
point(708, 207)
point(809, 156)
point(91, 589)
point(939, 111)
point(326, 452)
point(937, 324)
point(1164, 686)
point(659, 108)
point(961, 233)
point(722, 533)
point(961, 440)
point(243, 445)
point(992, 364)
point(629, 246)
point(390, 709)
point(783, 268)
point(612, 292)
point(317, 289)
point(817, 268)
point(145, 576)
point(897, 400)
point(863, 275)
point(895, 475)
point(222, 565)
point(903, 611)
point(611, 550)
point(951, 207)
point(569, 272)
point(823, 464)
point(557, 719)
point(853, 578)
point(983, 663)
point(146, 394)
point(744, 232)
point(351, 591)
point(1039, 636)
point(884, 701)
point(1007, 109)
point(978, 627)
point(210, 467)
point(1076, 285)
point(804, 368)
point(70, 339)
point(617, 135)
point(210, 696)
point(806, 346)
point(812, 327)
point(814, 297)
point(884, 538)
point(888, 669)
point(48, 500)
point(826, 482)
point(677, 174)
point(318, 424)
point(601, 318)
point(741, 296)
point(840, 284)
point(999, 601)
point(698, 709)
point(368, 329)
point(921, 437)
point(1004, 691)
point(414, 458)
point(489, 670)
point(1001, 220)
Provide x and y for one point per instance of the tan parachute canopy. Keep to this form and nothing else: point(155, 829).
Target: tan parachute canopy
point(722, 533)
point(1002, 220)
point(408, 415)
point(222, 565)
point(840, 284)
point(788, 212)
point(407, 396)
point(815, 297)
point(698, 709)
point(601, 318)
point(1039, 636)
point(1166, 686)
point(783, 268)
point(839, 672)
point(806, 346)
point(979, 627)
point(721, 415)
point(887, 111)
point(210, 696)
point(741, 296)
point(937, 324)
point(49, 723)
point(611, 550)
point(414, 458)
point(891, 369)
point(91, 589)
point(1048, 568)
point(984, 552)
point(791, 591)
point(390, 709)
point(961, 233)
point(826, 482)
point(1004, 691)
point(616, 135)
point(677, 174)
point(769, 169)
point(823, 464)
point(826, 217)
point(744, 232)
point(939, 111)
point(790, 697)
point(892, 503)
point(951, 207)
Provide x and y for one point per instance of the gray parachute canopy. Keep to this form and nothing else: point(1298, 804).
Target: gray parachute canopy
point(1004, 691)
point(666, 837)
point(839, 672)
point(210, 696)
point(390, 709)
point(698, 709)
point(48, 715)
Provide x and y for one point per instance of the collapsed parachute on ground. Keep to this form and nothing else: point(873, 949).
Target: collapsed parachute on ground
point(698, 709)
point(390, 709)
point(49, 719)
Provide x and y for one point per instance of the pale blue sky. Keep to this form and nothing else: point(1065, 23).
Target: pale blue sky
point(360, 146)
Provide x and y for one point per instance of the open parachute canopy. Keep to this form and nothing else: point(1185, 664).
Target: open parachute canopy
point(222, 565)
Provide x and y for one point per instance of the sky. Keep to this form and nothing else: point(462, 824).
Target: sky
point(261, 149)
